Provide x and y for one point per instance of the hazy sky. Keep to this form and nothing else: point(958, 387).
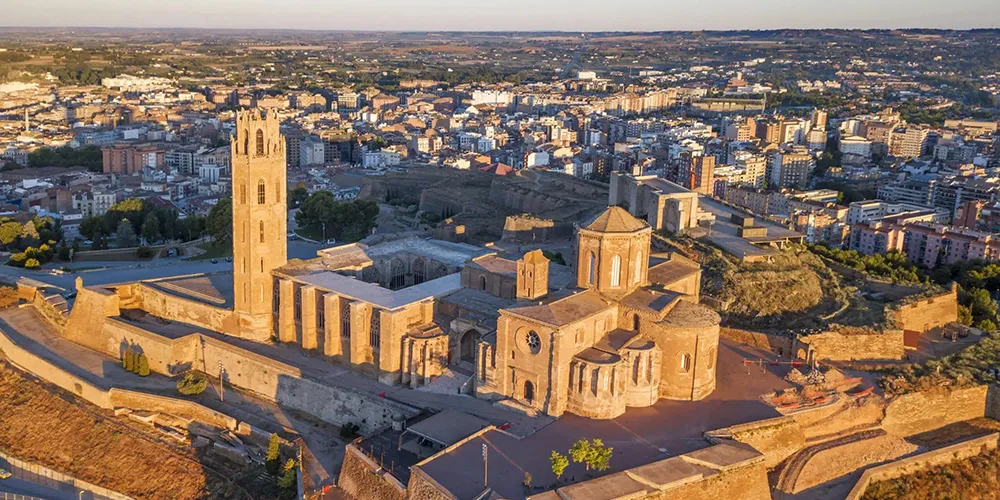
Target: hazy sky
point(473, 15)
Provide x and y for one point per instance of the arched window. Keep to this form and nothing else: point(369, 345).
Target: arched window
point(246, 142)
point(345, 319)
point(711, 358)
point(261, 192)
point(261, 265)
point(595, 376)
point(243, 192)
point(638, 268)
point(616, 271)
point(482, 282)
point(260, 142)
point(635, 322)
point(635, 370)
point(277, 191)
point(591, 268)
point(579, 386)
point(262, 231)
point(686, 363)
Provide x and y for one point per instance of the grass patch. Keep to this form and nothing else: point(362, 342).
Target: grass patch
point(214, 252)
point(974, 477)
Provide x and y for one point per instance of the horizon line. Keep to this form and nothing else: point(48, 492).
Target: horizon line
point(497, 30)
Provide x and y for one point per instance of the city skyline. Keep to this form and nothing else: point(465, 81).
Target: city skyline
point(560, 15)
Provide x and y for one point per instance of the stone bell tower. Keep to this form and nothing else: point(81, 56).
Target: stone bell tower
point(260, 219)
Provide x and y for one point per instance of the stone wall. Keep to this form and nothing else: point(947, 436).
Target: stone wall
point(853, 345)
point(47, 301)
point(918, 412)
point(338, 405)
point(911, 465)
point(177, 407)
point(778, 344)
point(777, 438)
point(53, 374)
point(361, 477)
point(45, 476)
point(175, 308)
point(528, 229)
point(925, 313)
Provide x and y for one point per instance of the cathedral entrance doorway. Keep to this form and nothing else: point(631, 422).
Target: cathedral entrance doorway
point(529, 391)
point(468, 345)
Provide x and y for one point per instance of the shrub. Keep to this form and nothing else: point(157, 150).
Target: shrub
point(32, 264)
point(143, 366)
point(143, 252)
point(63, 253)
point(192, 384)
point(128, 359)
point(273, 457)
point(287, 480)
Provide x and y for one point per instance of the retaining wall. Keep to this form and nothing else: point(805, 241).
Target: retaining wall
point(361, 477)
point(47, 477)
point(778, 344)
point(918, 412)
point(177, 407)
point(906, 466)
point(777, 438)
point(837, 346)
point(925, 313)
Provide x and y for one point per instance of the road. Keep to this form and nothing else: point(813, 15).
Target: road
point(26, 483)
point(125, 271)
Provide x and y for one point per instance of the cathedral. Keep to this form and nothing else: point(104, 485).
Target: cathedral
point(617, 327)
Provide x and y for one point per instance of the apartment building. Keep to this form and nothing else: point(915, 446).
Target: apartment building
point(128, 159)
point(791, 170)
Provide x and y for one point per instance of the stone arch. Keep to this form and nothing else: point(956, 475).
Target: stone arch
point(371, 274)
point(529, 391)
point(418, 270)
point(467, 345)
point(261, 150)
point(439, 271)
point(397, 274)
point(685, 362)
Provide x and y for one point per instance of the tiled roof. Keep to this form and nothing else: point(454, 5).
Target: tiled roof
point(615, 220)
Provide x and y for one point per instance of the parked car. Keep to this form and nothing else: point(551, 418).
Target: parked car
point(229, 259)
point(214, 261)
point(5, 474)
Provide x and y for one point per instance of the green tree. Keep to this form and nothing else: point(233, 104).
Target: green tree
point(219, 223)
point(91, 227)
point(580, 451)
point(297, 196)
point(126, 235)
point(986, 325)
point(982, 305)
point(964, 315)
point(143, 366)
point(10, 231)
point(559, 463)
point(151, 229)
point(273, 456)
point(287, 480)
point(600, 456)
point(192, 228)
point(128, 358)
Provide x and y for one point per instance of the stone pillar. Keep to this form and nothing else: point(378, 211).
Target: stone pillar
point(393, 326)
point(286, 313)
point(309, 321)
point(361, 352)
point(332, 340)
point(407, 368)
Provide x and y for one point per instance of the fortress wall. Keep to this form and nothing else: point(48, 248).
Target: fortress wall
point(777, 438)
point(85, 324)
point(914, 464)
point(778, 344)
point(361, 477)
point(51, 373)
point(740, 483)
point(176, 308)
point(177, 407)
point(926, 313)
point(338, 405)
point(836, 346)
point(918, 412)
point(271, 379)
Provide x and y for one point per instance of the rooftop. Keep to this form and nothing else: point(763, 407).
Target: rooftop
point(376, 295)
point(615, 220)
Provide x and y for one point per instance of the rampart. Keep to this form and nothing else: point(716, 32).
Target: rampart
point(361, 477)
point(918, 412)
point(923, 313)
point(910, 465)
point(106, 332)
point(528, 229)
point(853, 344)
point(46, 299)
